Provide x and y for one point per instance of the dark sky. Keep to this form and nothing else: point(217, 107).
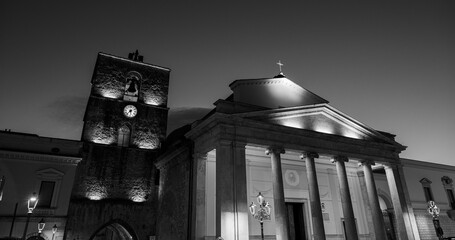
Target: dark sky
point(388, 64)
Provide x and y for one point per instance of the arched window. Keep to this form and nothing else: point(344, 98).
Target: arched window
point(124, 135)
point(448, 187)
point(426, 184)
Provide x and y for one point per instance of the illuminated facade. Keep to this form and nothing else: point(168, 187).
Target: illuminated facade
point(114, 195)
point(325, 174)
point(33, 164)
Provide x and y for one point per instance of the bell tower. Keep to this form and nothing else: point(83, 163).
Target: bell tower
point(115, 189)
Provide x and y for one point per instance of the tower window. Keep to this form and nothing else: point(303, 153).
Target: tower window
point(426, 184)
point(124, 135)
point(45, 194)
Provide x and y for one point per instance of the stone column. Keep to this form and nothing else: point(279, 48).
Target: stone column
point(281, 214)
point(348, 212)
point(376, 213)
point(199, 205)
point(315, 201)
point(400, 208)
point(231, 194)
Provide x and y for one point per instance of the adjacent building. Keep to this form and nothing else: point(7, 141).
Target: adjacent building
point(32, 164)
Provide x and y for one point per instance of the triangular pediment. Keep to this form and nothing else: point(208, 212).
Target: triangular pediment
point(50, 173)
point(319, 118)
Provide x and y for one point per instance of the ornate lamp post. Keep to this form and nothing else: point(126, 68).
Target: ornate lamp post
point(263, 213)
point(41, 225)
point(434, 211)
point(54, 230)
point(31, 204)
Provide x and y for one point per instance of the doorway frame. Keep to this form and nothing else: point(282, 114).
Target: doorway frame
point(306, 212)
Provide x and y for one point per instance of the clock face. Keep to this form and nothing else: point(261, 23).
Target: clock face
point(130, 111)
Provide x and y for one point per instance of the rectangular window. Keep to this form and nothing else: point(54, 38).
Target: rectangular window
point(46, 192)
point(428, 194)
point(451, 198)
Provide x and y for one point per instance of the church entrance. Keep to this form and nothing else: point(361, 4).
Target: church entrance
point(296, 221)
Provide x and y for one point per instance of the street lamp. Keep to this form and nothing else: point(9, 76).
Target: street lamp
point(434, 211)
point(54, 230)
point(41, 225)
point(263, 212)
point(31, 204)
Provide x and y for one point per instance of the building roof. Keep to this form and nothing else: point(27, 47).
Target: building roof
point(32, 143)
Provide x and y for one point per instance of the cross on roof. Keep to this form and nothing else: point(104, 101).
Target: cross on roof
point(280, 65)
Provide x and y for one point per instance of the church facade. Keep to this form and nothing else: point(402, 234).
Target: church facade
point(323, 174)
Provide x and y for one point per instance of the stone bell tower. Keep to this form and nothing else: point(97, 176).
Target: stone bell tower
point(115, 189)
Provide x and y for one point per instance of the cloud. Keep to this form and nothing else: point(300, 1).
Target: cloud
point(184, 115)
point(67, 115)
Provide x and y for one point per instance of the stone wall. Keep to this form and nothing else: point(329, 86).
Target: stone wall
point(116, 173)
point(91, 217)
point(109, 79)
point(104, 118)
point(174, 195)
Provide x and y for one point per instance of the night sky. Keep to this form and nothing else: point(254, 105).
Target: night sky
point(388, 64)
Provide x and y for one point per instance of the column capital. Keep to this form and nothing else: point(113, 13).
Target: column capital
point(366, 162)
point(275, 149)
point(339, 158)
point(309, 155)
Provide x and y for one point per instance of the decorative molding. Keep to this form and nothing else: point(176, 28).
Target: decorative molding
point(37, 157)
point(447, 182)
point(50, 173)
point(425, 181)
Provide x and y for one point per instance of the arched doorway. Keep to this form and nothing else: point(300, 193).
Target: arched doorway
point(114, 230)
point(389, 216)
point(36, 236)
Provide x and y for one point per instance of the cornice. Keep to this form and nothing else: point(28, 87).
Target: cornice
point(39, 158)
point(426, 165)
point(324, 109)
point(135, 62)
point(258, 133)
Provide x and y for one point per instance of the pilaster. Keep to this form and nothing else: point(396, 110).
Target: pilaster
point(231, 193)
point(400, 205)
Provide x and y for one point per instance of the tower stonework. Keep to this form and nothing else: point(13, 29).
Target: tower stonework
point(115, 189)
